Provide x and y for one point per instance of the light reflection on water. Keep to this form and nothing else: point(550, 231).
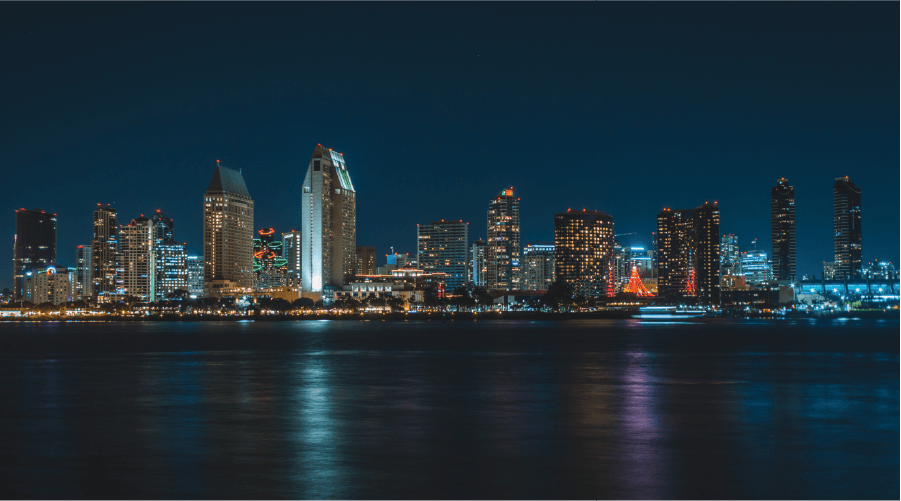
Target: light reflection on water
point(428, 410)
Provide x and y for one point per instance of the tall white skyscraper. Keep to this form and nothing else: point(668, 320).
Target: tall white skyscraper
point(329, 225)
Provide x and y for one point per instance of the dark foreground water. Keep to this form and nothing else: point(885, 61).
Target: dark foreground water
point(490, 409)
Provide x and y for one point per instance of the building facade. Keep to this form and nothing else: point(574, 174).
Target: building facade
point(329, 223)
point(292, 252)
point(478, 263)
point(83, 290)
point(537, 266)
point(730, 255)
point(195, 276)
point(365, 260)
point(35, 244)
point(171, 267)
point(227, 232)
point(270, 268)
point(583, 252)
point(783, 223)
point(503, 250)
point(136, 263)
point(688, 253)
point(442, 248)
point(47, 283)
point(756, 268)
point(104, 248)
point(847, 225)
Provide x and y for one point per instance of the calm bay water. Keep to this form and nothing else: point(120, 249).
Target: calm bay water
point(476, 409)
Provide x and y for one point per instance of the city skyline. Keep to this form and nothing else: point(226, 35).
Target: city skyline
point(734, 140)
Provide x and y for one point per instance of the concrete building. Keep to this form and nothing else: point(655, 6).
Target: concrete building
point(537, 266)
point(104, 249)
point(83, 290)
point(171, 261)
point(478, 263)
point(227, 232)
point(847, 225)
point(365, 260)
point(35, 244)
point(730, 255)
point(756, 268)
point(503, 247)
point(329, 223)
point(270, 268)
point(442, 248)
point(136, 263)
point(583, 252)
point(47, 283)
point(688, 253)
point(292, 252)
point(782, 198)
point(195, 276)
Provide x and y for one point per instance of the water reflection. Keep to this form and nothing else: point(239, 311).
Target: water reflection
point(428, 410)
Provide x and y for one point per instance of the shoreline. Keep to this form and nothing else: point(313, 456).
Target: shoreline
point(441, 317)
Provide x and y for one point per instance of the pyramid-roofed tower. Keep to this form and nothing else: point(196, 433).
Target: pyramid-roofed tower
point(227, 232)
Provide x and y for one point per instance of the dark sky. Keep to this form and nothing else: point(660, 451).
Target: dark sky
point(624, 108)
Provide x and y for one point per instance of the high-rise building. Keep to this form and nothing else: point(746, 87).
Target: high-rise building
point(583, 252)
point(35, 244)
point(83, 272)
point(537, 266)
point(195, 276)
point(478, 263)
point(846, 221)
point(442, 248)
point(828, 270)
point(688, 253)
point(47, 283)
point(329, 212)
point(136, 264)
point(291, 251)
point(270, 268)
point(163, 227)
point(365, 260)
point(503, 251)
point(104, 248)
point(730, 255)
point(227, 232)
point(755, 266)
point(171, 267)
point(783, 221)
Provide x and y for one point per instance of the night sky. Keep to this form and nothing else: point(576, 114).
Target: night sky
point(624, 108)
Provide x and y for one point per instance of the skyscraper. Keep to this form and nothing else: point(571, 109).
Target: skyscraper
point(270, 268)
point(846, 221)
point(755, 266)
point(163, 227)
point(329, 223)
point(291, 251)
point(35, 244)
point(83, 272)
point(227, 232)
point(503, 251)
point(537, 266)
point(136, 266)
point(365, 260)
point(688, 253)
point(104, 247)
point(442, 248)
point(478, 264)
point(171, 261)
point(730, 255)
point(583, 252)
point(783, 222)
point(195, 276)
